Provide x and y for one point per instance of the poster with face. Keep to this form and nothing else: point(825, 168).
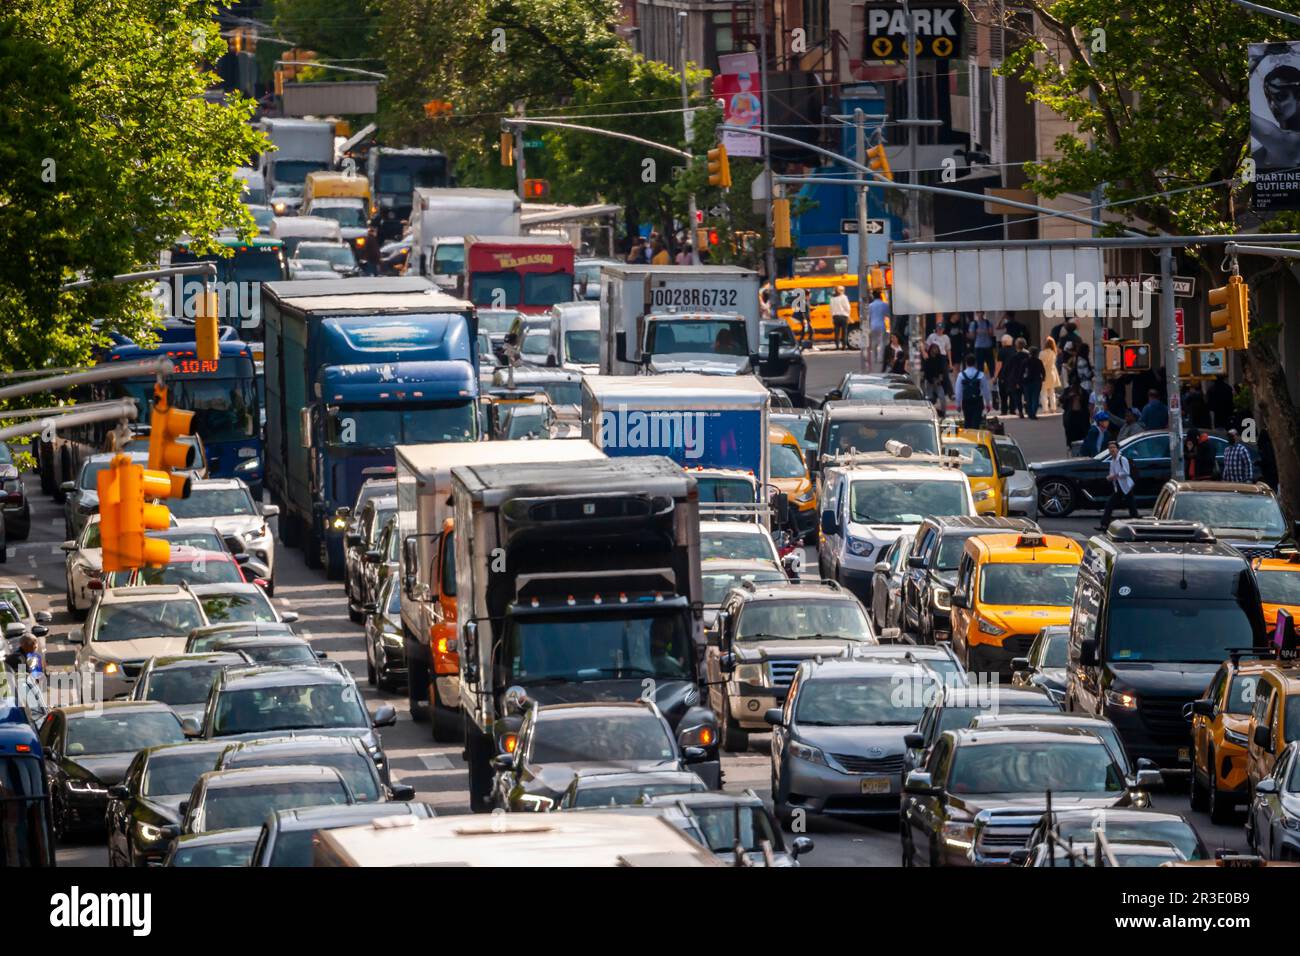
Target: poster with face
point(1275, 124)
point(738, 87)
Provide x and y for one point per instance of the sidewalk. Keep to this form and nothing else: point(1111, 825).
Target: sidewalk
point(1040, 440)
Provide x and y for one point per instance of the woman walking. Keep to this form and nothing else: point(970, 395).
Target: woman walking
point(1051, 377)
point(934, 374)
point(1074, 413)
point(896, 356)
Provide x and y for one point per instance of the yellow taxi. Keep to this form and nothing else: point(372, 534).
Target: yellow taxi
point(981, 467)
point(789, 474)
point(1274, 718)
point(816, 292)
point(1279, 586)
point(1220, 724)
point(1008, 588)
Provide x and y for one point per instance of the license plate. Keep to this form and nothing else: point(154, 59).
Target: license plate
point(1184, 754)
point(875, 785)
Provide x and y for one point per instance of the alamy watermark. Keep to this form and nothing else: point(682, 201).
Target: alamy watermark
point(632, 428)
point(235, 300)
point(1112, 299)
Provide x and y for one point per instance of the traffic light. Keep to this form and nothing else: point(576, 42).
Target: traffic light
point(536, 188)
point(437, 109)
point(719, 167)
point(781, 223)
point(1135, 358)
point(879, 162)
point(110, 500)
point(1232, 320)
point(507, 149)
point(207, 329)
point(166, 452)
point(125, 516)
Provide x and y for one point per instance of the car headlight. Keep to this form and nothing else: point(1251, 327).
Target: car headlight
point(988, 627)
point(389, 639)
point(959, 834)
point(85, 786)
point(860, 547)
point(148, 832)
point(752, 674)
point(805, 752)
point(982, 494)
point(257, 535)
point(1232, 737)
point(1122, 699)
point(942, 599)
point(250, 465)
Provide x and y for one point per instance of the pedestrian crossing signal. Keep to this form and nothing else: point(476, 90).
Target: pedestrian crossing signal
point(536, 188)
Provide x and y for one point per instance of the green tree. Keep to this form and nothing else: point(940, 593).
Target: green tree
point(108, 153)
point(1158, 93)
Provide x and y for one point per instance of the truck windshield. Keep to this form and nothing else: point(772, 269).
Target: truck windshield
point(449, 259)
point(582, 346)
point(296, 170)
point(349, 216)
point(705, 336)
point(385, 427)
point(1190, 630)
point(24, 816)
point(566, 647)
point(725, 490)
point(1028, 584)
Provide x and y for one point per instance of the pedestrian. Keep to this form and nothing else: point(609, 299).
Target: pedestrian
point(1112, 399)
point(981, 330)
point(957, 340)
point(1120, 476)
point(1155, 413)
point(1097, 436)
point(1237, 465)
point(1219, 399)
point(1074, 413)
point(802, 314)
point(1189, 457)
point(1083, 369)
point(1196, 409)
point(1051, 377)
point(974, 396)
point(636, 255)
point(1207, 465)
point(896, 359)
point(650, 247)
point(1010, 325)
point(684, 257)
point(841, 309)
point(1031, 383)
point(874, 341)
point(1132, 425)
point(939, 338)
point(764, 303)
point(1005, 354)
point(659, 255)
point(934, 376)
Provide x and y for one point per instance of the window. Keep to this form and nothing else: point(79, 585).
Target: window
point(448, 565)
point(871, 435)
point(900, 501)
point(1242, 695)
point(638, 736)
point(245, 606)
point(121, 732)
point(539, 647)
point(144, 619)
point(175, 772)
point(1046, 585)
point(706, 336)
point(868, 702)
point(228, 808)
point(289, 707)
point(786, 461)
point(213, 503)
point(1035, 768)
point(808, 620)
point(449, 259)
point(1189, 631)
point(181, 685)
point(1010, 456)
point(582, 346)
point(1263, 697)
point(357, 769)
point(1154, 446)
point(1227, 510)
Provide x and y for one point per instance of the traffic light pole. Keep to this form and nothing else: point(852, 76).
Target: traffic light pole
point(124, 410)
point(104, 373)
point(1173, 396)
point(866, 346)
point(206, 269)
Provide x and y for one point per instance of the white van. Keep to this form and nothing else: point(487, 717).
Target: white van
point(295, 229)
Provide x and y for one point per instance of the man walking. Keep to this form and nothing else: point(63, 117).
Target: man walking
point(873, 343)
point(1121, 483)
point(982, 329)
point(1237, 465)
point(841, 309)
point(974, 396)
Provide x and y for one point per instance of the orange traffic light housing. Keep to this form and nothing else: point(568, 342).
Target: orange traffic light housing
point(108, 484)
point(507, 149)
point(879, 162)
point(207, 327)
point(166, 426)
point(781, 224)
point(1232, 320)
point(719, 167)
point(536, 188)
point(125, 516)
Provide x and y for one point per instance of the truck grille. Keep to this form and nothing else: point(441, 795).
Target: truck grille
point(1004, 837)
point(1164, 716)
point(1018, 644)
point(855, 764)
point(782, 671)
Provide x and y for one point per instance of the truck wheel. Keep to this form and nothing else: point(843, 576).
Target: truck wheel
point(444, 721)
point(734, 740)
point(479, 757)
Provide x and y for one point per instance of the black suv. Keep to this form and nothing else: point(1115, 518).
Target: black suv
point(932, 569)
point(359, 543)
point(1245, 516)
point(1158, 606)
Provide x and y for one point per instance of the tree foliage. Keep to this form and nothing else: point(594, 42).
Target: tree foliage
point(108, 153)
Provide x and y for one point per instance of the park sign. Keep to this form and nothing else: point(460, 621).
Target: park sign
point(937, 28)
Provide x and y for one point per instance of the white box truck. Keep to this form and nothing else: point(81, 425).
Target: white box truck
point(440, 220)
point(657, 319)
point(301, 147)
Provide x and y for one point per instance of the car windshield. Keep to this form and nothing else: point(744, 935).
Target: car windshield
point(495, 322)
point(789, 620)
point(870, 435)
point(357, 769)
point(231, 854)
point(737, 546)
point(1241, 697)
point(134, 620)
point(563, 393)
point(536, 342)
point(873, 701)
point(289, 653)
point(188, 684)
point(200, 570)
point(288, 707)
point(237, 608)
point(630, 794)
point(718, 583)
point(1228, 510)
point(213, 503)
point(1024, 767)
point(525, 421)
point(876, 393)
point(1047, 585)
point(582, 346)
point(787, 462)
point(12, 606)
point(980, 464)
point(182, 538)
point(121, 732)
point(89, 478)
point(1009, 456)
point(175, 772)
point(386, 427)
point(633, 737)
point(702, 336)
point(545, 648)
point(1190, 630)
point(228, 808)
point(718, 825)
point(349, 217)
point(955, 718)
point(1279, 587)
point(1151, 829)
point(899, 501)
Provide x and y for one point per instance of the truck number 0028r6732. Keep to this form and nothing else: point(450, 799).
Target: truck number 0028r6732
point(697, 297)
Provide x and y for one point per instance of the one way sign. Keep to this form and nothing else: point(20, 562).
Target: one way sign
point(875, 227)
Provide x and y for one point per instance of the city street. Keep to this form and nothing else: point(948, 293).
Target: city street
point(438, 771)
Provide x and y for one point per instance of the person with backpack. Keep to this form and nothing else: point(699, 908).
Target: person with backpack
point(974, 397)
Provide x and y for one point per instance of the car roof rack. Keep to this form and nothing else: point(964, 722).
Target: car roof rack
point(1155, 529)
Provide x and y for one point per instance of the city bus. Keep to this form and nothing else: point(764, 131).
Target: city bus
point(238, 284)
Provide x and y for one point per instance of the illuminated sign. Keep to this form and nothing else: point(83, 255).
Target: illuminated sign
point(196, 366)
point(508, 260)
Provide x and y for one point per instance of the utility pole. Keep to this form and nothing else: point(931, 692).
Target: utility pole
point(860, 154)
point(913, 206)
point(519, 152)
point(767, 148)
point(688, 129)
point(1169, 328)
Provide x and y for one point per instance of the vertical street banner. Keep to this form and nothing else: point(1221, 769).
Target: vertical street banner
point(1275, 125)
point(739, 88)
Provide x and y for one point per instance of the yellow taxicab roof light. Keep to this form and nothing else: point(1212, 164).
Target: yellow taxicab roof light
point(1031, 541)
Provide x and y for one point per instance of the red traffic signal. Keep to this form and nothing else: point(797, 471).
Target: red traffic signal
point(536, 188)
point(1136, 358)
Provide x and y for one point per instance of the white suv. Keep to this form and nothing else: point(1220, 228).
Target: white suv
point(227, 504)
point(127, 626)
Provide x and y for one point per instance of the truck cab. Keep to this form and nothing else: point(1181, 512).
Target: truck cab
point(710, 343)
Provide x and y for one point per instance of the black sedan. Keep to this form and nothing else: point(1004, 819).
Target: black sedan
point(1081, 484)
point(149, 797)
point(88, 749)
point(385, 645)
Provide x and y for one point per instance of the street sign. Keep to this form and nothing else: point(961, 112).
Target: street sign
point(532, 144)
point(1184, 286)
point(875, 227)
point(717, 212)
point(1178, 323)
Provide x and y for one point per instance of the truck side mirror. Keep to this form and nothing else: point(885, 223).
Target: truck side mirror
point(830, 524)
point(1087, 653)
point(727, 663)
point(811, 456)
point(469, 651)
point(409, 564)
point(620, 346)
point(773, 346)
point(1262, 739)
point(781, 508)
